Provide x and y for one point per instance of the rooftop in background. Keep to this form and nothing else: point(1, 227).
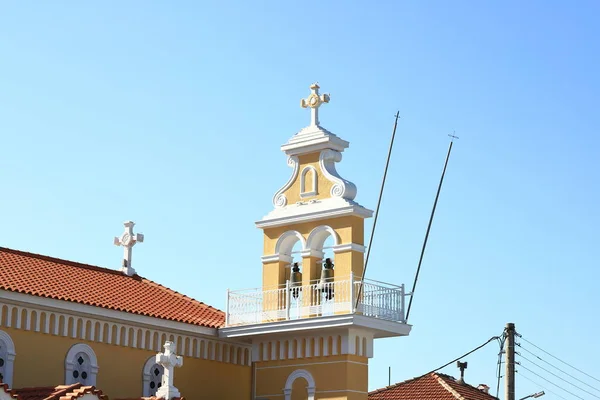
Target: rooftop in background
point(432, 386)
point(44, 276)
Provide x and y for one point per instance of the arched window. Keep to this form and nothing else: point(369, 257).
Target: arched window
point(152, 377)
point(81, 365)
point(304, 375)
point(308, 182)
point(7, 358)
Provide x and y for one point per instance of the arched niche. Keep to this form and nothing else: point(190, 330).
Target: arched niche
point(300, 373)
point(308, 182)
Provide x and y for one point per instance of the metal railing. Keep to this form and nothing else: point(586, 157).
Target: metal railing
point(316, 299)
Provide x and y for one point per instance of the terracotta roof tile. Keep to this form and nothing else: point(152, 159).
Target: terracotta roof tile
point(63, 392)
point(11, 393)
point(44, 276)
point(432, 386)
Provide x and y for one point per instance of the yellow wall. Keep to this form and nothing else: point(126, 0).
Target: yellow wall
point(331, 374)
point(323, 184)
point(40, 361)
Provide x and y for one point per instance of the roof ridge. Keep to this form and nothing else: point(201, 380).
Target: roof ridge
point(401, 383)
point(62, 261)
point(445, 385)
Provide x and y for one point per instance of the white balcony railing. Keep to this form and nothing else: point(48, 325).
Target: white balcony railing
point(260, 305)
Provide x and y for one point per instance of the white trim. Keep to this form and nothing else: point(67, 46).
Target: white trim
point(342, 390)
point(70, 363)
point(315, 185)
point(341, 188)
point(341, 248)
point(316, 363)
point(311, 139)
point(276, 257)
point(147, 376)
point(99, 312)
point(10, 357)
point(300, 373)
point(312, 253)
point(287, 240)
point(318, 236)
point(379, 327)
point(279, 199)
point(322, 209)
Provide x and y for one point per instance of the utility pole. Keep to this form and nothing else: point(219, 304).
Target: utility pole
point(509, 333)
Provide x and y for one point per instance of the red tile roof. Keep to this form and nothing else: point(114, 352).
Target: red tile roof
point(54, 278)
point(5, 389)
point(63, 392)
point(432, 386)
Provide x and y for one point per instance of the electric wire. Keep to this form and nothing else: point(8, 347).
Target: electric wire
point(552, 383)
point(437, 196)
point(537, 384)
point(554, 366)
point(458, 358)
point(501, 341)
point(559, 377)
point(387, 164)
point(564, 362)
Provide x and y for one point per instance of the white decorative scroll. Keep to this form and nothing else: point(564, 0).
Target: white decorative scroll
point(279, 200)
point(341, 188)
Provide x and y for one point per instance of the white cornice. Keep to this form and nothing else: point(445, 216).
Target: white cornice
point(312, 139)
point(313, 211)
point(340, 248)
point(276, 257)
point(99, 312)
point(379, 327)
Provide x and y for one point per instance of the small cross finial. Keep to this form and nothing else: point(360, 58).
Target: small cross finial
point(128, 239)
point(453, 136)
point(314, 101)
point(169, 360)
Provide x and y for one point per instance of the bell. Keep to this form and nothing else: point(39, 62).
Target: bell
point(295, 279)
point(326, 282)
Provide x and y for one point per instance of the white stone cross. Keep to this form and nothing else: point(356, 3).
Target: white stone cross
point(128, 239)
point(314, 101)
point(169, 361)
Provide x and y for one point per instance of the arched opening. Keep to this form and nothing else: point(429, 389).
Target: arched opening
point(81, 365)
point(151, 377)
point(322, 240)
point(7, 358)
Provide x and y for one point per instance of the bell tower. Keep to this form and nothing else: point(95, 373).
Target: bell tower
point(311, 323)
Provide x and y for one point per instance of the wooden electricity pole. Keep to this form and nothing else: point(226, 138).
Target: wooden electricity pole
point(510, 361)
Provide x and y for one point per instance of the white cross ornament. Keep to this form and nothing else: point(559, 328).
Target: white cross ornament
point(128, 239)
point(169, 361)
point(314, 101)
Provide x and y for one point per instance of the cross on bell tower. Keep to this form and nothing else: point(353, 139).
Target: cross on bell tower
point(128, 239)
point(314, 101)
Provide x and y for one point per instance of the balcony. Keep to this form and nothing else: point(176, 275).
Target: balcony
point(378, 300)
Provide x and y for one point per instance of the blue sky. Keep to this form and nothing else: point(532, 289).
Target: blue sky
point(172, 114)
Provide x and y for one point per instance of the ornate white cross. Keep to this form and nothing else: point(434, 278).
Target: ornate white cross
point(314, 101)
point(169, 361)
point(128, 239)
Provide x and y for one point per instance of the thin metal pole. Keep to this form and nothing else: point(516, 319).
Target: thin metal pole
point(387, 163)
point(437, 196)
point(390, 376)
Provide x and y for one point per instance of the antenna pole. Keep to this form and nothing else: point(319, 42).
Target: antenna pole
point(362, 279)
point(437, 196)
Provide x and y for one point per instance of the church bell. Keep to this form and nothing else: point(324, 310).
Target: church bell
point(326, 282)
point(295, 279)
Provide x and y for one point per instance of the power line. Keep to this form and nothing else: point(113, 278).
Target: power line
point(458, 358)
point(552, 383)
point(564, 362)
point(559, 377)
point(499, 371)
point(554, 366)
point(537, 384)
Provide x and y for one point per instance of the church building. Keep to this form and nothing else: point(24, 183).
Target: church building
point(307, 333)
